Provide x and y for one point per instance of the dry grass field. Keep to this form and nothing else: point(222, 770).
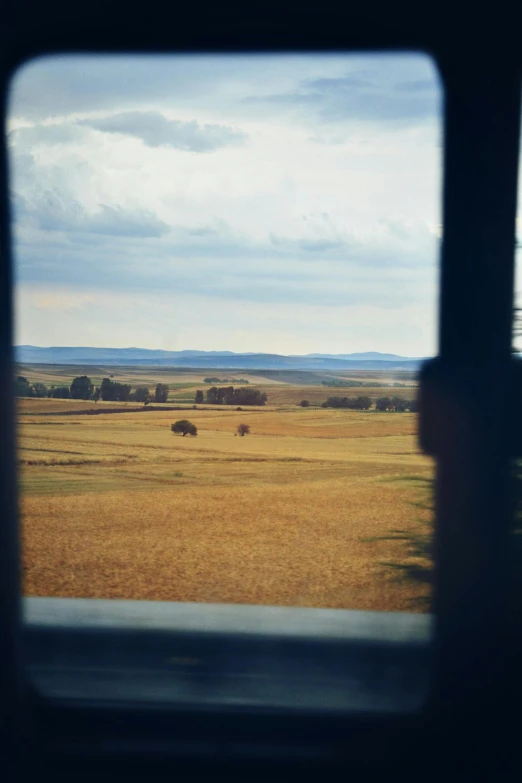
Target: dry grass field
point(116, 506)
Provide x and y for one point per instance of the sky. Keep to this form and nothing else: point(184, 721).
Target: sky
point(280, 204)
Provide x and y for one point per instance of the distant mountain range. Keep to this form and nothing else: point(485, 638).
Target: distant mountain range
point(369, 356)
point(32, 354)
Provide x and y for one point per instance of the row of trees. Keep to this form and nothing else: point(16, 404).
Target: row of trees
point(224, 380)
point(23, 388)
point(227, 395)
point(363, 403)
point(112, 391)
point(82, 388)
point(348, 383)
point(354, 403)
point(398, 404)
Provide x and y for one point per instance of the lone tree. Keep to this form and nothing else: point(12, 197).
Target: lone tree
point(199, 397)
point(162, 392)
point(243, 429)
point(184, 427)
point(81, 388)
point(304, 404)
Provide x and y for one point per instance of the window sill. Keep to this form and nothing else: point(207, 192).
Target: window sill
point(160, 655)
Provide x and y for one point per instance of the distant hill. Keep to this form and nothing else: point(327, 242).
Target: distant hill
point(31, 354)
point(369, 356)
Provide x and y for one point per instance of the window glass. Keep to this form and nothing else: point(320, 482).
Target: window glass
point(226, 275)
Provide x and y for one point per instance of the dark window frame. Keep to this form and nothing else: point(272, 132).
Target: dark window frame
point(468, 411)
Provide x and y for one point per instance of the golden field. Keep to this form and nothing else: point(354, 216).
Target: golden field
point(116, 506)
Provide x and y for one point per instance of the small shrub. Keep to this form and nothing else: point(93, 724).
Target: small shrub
point(243, 429)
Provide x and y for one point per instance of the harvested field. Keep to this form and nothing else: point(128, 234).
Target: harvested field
point(116, 506)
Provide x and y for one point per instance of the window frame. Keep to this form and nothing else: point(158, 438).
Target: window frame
point(468, 424)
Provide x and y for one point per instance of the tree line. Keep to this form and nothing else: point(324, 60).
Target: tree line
point(354, 403)
point(364, 384)
point(228, 395)
point(225, 380)
point(399, 404)
point(82, 388)
point(364, 403)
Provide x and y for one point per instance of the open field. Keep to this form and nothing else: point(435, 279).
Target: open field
point(117, 506)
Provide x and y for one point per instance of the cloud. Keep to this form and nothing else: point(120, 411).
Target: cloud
point(202, 231)
point(351, 97)
point(52, 211)
point(416, 85)
point(235, 270)
point(318, 245)
point(57, 133)
point(63, 85)
point(155, 130)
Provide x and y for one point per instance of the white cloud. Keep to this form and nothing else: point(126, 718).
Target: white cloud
point(156, 130)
